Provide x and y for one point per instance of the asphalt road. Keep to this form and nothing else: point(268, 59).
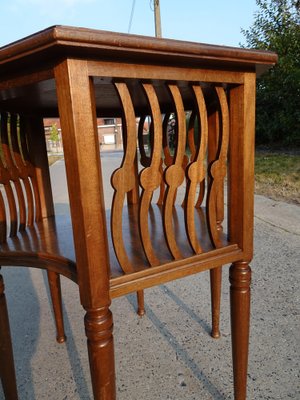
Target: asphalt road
point(168, 354)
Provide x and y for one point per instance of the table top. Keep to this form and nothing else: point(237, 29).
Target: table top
point(57, 41)
point(35, 57)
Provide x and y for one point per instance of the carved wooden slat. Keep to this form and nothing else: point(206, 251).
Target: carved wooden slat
point(13, 169)
point(174, 174)
point(168, 159)
point(185, 163)
point(213, 154)
point(8, 173)
point(218, 172)
point(201, 194)
point(133, 195)
point(150, 177)
point(193, 148)
point(35, 156)
point(26, 169)
point(144, 159)
point(196, 171)
point(3, 224)
point(16, 165)
point(123, 181)
point(215, 273)
point(223, 157)
point(161, 186)
point(12, 210)
point(191, 136)
point(4, 179)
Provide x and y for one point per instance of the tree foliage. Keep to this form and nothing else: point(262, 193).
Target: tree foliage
point(54, 135)
point(276, 27)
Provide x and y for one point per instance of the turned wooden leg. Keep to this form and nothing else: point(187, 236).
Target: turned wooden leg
point(240, 278)
point(141, 303)
point(215, 289)
point(99, 329)
point(7, 368)
point(55, 291)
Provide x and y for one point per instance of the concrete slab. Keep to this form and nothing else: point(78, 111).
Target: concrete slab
point(278, 214)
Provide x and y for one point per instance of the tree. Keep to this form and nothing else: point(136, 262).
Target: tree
point(277, 28)
point(54, 135)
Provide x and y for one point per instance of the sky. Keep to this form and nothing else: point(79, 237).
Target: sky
point(205, 21)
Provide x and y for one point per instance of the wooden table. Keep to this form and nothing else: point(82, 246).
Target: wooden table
point(78, 74)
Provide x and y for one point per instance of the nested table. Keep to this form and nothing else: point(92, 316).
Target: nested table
point(149, 237)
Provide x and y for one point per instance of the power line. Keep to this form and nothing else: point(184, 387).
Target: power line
point(131, 16)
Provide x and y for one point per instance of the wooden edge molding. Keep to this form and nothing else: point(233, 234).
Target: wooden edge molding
point(176, 269)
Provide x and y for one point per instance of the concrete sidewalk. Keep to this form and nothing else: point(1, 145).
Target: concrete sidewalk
point(168, 354)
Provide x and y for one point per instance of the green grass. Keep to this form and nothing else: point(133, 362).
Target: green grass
point(277, 175)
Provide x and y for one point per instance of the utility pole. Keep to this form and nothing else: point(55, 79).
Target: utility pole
point(157, 18)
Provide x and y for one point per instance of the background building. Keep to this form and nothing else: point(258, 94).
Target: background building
point(109, 133)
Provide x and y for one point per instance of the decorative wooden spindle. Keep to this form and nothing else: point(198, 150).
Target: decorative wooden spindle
point(55, 292)
point(150, 177)
point(217, 172)
point(123, 181)
point(174, 174)
point(196, 172)
point(215, 291)
point(240, 279)
point(99, 332)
